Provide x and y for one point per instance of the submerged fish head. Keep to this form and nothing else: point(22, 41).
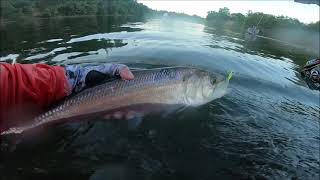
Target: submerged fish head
point(202, 87)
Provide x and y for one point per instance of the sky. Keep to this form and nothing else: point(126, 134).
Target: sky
point(306, 13)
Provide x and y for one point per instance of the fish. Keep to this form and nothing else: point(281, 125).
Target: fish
point(170, 86)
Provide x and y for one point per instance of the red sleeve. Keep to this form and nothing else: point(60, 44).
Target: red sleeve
point(26, 89)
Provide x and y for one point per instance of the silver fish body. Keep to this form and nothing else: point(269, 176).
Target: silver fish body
point(165, 86)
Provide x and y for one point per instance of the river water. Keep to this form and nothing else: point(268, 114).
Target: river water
point(266, 127)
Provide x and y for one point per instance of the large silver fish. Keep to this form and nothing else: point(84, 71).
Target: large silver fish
point(181, 86)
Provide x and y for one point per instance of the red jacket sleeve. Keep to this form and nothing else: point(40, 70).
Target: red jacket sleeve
point(26, 89)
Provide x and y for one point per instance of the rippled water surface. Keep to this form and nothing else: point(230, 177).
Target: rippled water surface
point(266, 127)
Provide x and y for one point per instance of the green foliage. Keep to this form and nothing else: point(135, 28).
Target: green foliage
point(126, 9)
point(176, 16)
point(122, 9)
point(265, 22)
point(314, 26)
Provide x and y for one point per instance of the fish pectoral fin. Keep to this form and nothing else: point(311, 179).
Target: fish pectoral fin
point(134, 118)
point(114, 115)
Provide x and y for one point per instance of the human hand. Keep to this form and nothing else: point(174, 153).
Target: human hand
point(126, 74)
point(81, 77)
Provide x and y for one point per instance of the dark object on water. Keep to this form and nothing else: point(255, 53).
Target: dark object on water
point(251, 34)
point(311, 73)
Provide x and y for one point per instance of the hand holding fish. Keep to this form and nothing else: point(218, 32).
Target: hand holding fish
point(52, 83)
point(126, 74)
point(82, 77)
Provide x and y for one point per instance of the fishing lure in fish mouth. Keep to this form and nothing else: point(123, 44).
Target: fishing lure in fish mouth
point(230, 74)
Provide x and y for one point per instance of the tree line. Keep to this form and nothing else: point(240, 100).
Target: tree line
point(238, 22)
point(124, 9)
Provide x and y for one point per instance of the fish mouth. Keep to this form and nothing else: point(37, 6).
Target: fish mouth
point(220, 88)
